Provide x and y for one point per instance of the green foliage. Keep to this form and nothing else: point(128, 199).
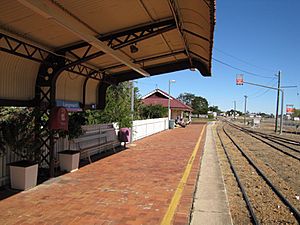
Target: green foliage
point(264, 115)
point(199, 105)
point(186, 98)
point(210, 116)
point(296, 113)
point(93, 117)
point(118, 102)
point(214, 109)
point(76, 120)
point(118, 105)
point(231, 112)
point(153, 111)
point(17, 132)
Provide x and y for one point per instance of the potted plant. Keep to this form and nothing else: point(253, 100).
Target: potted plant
point(69, 159)
point(17, 132)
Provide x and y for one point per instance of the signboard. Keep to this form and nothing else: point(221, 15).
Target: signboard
point(239, 79)
point(290, 109)
point(71, 106)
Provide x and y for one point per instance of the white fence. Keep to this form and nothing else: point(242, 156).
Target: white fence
point(141, 129)
point(144, 128)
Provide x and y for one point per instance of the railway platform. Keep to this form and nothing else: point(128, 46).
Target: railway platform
point(151, 182)
point(210, 201)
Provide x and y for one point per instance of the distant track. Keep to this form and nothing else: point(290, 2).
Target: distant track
point(277, 140)
point(285, 201)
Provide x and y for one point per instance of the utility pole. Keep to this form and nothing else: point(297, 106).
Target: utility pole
point(245, 109)
point(234, 109)
point(277, 105)
point(282, 100)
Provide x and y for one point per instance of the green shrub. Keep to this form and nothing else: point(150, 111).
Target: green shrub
point(153, 111)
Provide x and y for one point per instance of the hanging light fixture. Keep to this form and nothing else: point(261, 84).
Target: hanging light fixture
point(133, 48)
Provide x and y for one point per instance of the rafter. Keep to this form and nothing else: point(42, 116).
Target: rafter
point(176, 13)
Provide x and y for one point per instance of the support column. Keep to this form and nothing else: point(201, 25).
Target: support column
point(45, 92)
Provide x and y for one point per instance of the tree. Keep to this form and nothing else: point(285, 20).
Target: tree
point(296, 113)
point(199, 105)
point(117, 109)
point(214, 109)
point(153, 111)
point(231, 112)
point(118, 98)
point(186, 98)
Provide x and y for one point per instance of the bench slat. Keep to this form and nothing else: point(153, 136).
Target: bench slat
point(95, 139)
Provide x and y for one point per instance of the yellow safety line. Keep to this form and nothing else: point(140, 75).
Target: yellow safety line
point(177, 195)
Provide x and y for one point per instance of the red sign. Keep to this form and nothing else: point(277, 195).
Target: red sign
point(239, 79)
point(290, 109)
point(59, 119)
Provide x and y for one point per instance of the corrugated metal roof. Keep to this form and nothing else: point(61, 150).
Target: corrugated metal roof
point(164, 52)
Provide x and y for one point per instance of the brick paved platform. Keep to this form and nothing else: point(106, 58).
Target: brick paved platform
point(134, 186)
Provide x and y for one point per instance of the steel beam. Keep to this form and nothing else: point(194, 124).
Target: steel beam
point(160, 69)
point(176, 13)
point(9, 102)
point(134, 34)
point(147, 59)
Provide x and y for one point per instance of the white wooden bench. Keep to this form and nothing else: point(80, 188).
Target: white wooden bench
point(96, 139)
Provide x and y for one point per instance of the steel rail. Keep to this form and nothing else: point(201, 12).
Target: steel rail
point(293, 209)
point(291, 132)
point(280, 143)
point(241, 186)
point(269, 137)
point(267, 143)
point(282, 139)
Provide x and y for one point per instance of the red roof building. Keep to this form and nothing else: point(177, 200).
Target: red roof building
point(159, 97)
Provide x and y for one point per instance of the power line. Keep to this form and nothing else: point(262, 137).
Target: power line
point(243, 61)
point(244, 71)
point(260, 93)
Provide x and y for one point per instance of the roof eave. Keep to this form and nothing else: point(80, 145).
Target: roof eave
point(161, 69)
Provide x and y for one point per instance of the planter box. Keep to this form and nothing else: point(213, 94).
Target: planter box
point(69, 160)
point(23, 175)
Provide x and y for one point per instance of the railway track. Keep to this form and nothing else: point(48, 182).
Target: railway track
point(274, 137)
point(280, 144)
point(238, 163)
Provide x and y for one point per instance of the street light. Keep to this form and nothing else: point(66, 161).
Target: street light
point(169, 110)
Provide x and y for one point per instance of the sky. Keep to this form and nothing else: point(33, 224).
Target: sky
point(257, 36)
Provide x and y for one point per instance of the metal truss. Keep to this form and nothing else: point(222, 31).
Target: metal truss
point(123, 38)
point(66, 59)
point(16, 47)
point(116, 40)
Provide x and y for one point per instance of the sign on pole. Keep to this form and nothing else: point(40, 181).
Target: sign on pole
point(289, 109)
point(239, 79)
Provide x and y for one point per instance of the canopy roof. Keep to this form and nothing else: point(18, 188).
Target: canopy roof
point(72, 50)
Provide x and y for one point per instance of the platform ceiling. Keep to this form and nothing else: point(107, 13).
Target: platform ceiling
point(115, 40)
